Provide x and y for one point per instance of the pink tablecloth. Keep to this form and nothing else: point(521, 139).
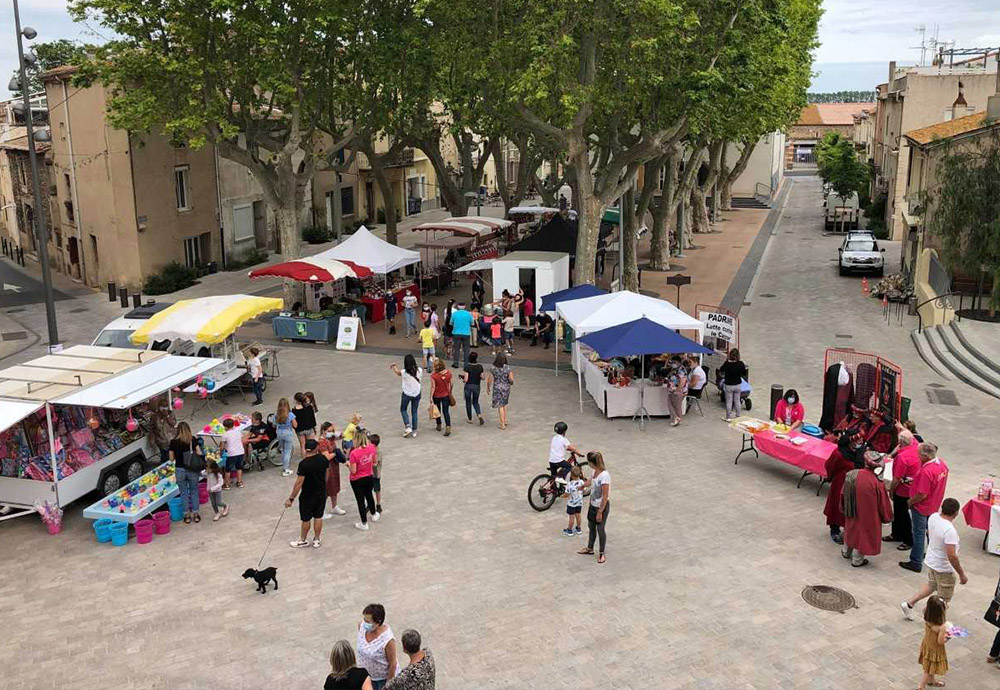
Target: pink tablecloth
point(977, 514)
point(810, 456)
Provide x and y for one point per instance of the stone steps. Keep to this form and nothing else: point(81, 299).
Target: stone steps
point(948, 354)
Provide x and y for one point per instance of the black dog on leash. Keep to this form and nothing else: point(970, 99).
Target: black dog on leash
point(262, 577)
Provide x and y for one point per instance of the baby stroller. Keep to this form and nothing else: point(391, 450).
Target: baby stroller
point(745, 391)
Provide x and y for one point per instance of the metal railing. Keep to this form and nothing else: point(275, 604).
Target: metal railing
point(937, 277)
point(768, 190)
point(941, 302)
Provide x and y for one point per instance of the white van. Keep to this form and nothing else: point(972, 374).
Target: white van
point(841, 215)
point(116, 333)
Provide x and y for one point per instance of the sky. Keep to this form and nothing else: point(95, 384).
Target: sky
point(858, 37)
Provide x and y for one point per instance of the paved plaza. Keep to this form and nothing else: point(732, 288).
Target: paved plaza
point(706, 559)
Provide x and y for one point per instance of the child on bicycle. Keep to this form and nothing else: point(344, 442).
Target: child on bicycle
point(558, 462)
point(574, 490)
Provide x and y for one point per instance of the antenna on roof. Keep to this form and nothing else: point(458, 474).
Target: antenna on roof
point(922, 30)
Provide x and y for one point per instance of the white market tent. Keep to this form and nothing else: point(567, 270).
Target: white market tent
point(366, 249)
point(592, 314)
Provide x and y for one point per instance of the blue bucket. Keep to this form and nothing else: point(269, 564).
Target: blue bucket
point(812, 430)
point(119, 533)
point(176, 507)
point(102, 528)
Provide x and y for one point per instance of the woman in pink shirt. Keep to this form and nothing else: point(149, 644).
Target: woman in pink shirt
point(904, 468)
point(789, 410)
point(361, 463)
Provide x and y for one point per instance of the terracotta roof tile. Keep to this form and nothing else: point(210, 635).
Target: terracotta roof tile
point(946, 130)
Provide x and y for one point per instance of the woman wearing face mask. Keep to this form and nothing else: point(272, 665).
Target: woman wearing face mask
point(376, 648)
point(328, 448)
point(789, 410)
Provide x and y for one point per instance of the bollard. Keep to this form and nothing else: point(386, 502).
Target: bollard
point(136, 300)
point(123, 296)
point(777, 393)
point(112, 291)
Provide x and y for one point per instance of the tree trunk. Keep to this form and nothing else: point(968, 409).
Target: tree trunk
point(286, 217)
point(662, 208)
point(630, 271)
point(589, 209)
point(389, 202)
point(699, 211)
point(729, 177)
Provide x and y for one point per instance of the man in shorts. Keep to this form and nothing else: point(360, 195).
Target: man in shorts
point(943, 566)
point(310, 487)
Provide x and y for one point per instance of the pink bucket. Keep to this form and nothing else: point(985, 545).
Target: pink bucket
point(202, 493)
point(144, 531)
point(161, 522)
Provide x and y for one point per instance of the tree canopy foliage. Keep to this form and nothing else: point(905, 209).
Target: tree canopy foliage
point(841, 97)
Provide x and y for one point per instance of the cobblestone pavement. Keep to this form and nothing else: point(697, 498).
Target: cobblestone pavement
point(706, 560)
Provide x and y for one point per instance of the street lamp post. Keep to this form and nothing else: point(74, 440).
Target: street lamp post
point(41, 235)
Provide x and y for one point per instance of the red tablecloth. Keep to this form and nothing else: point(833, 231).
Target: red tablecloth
point(376, 307)
point(810, 456)
point(977, 514)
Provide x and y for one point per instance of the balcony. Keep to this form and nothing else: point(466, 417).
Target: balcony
point(402, 159)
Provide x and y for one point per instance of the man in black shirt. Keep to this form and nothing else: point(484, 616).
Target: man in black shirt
point(310, 487)
point(544, 329)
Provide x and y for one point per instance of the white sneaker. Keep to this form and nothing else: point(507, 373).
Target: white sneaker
point(375, 517)
point(561, 480)
point(363, 526)
point(316, 543)
point(414, 435)
point(327, 515)
point(407, 433)
point(337, 510)
point(907, 610)
point(299, 543)
point(286, 473)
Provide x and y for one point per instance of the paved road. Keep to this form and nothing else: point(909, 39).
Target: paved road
point(18, 288)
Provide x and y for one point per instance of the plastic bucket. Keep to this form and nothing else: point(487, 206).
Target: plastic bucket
point(161, 522)
point(102, 528)
point(144, 531)
point(119, 533)
point(202, 493)
point(53, 527)
point(176, 507)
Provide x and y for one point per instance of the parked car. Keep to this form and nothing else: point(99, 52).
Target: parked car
point(116, 333)
point(860, 253)
point(841, 214)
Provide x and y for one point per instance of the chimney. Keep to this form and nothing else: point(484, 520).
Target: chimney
point(960, 108)
point(892, 73)
point(993, 102)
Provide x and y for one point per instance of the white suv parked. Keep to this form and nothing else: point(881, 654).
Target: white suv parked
point(860, 253)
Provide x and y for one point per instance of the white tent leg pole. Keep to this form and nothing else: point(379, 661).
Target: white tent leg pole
point(555, 327)
point(579, 383)
point(52, 452)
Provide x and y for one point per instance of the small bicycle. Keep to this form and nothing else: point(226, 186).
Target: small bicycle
point(544, 489)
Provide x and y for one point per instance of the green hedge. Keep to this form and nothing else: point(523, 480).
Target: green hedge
point(315, 234)
point(171, 278)
point(252, 258)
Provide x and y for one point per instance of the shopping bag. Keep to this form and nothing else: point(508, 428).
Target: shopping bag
point(434, 412)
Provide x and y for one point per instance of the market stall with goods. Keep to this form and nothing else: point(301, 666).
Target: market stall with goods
point(982, 512)
point(484, 232)
point(610, 371)
point(363, 248)
point(592, 314)
point(207, 326)
point(86, 412)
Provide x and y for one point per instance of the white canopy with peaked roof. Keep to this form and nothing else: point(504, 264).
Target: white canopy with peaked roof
point(604, 311)
point(367, 249)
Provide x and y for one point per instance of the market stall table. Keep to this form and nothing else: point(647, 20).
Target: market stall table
point(984, 515)
point(809, 454)
point(137, 499)
point(375, 306)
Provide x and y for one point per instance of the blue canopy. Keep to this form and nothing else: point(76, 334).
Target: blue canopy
point(550, 300)
point(641, 337)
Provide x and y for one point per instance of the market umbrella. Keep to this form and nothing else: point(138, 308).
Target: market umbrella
point(206, 320)
point(313, 269)
point(638, 338)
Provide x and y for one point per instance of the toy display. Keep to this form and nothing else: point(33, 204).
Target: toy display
point(985, 490)
point(139, 498)
point(216, 428)
point(83, 437)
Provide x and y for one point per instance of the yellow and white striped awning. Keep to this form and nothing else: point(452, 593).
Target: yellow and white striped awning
point(206, 320)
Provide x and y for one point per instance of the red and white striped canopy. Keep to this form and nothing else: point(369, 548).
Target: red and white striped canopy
point(469, 226)
point(312, 270)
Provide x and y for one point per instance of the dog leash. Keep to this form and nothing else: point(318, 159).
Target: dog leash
point(272, 537)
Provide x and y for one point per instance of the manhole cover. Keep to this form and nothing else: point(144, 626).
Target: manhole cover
point(935, 385)
point(13, 335)
point(843, 336)
point(79, 310)
point(828, 598)
point(746, 304)
point(14, 311)
point(766, 294)
point(942, 396)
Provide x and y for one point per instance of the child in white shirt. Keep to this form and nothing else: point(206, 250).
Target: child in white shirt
point(574, 490)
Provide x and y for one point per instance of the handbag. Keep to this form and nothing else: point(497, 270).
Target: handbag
point(193, 462)
point(992, 615)
point(451, 396)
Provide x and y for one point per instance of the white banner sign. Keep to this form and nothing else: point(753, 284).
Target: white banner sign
point(347, 332)
point(722, 326)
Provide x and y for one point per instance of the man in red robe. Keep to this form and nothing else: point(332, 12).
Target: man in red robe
point(867, 507)
point(840, 462)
